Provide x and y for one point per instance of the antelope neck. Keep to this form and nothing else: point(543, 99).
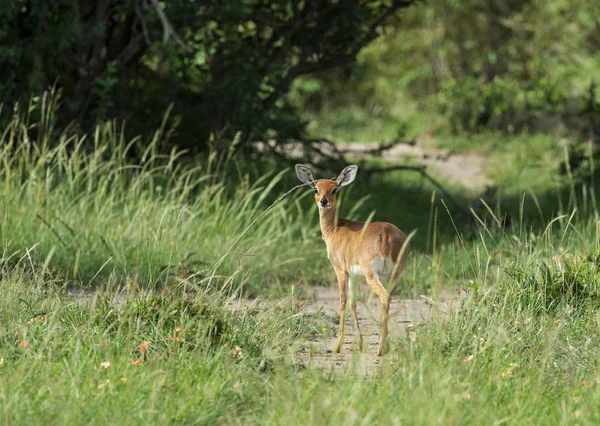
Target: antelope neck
point(328, 219)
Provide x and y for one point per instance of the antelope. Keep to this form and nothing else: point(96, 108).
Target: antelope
point(378, 251)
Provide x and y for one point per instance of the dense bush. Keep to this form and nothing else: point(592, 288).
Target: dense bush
point(502, 104)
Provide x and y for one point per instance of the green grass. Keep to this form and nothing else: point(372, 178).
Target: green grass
point(520, 348)
point(164, 244)
point(96, 214)
point(65, 360)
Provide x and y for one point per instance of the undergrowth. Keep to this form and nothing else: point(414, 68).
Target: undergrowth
point(116, 210)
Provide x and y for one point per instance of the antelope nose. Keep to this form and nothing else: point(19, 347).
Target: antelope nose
point(324, 201)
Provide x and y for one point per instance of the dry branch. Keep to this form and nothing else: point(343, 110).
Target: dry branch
point(378, 151)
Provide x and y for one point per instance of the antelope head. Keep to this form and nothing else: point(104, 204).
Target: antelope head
point(325, 189)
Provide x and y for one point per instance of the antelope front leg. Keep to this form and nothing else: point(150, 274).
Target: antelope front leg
point(342, 277)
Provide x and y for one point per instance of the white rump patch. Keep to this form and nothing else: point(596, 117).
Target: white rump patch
point(356, 270)
point(381, 266)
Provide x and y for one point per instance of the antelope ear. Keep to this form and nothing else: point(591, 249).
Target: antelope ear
point(347, 176)
point(305, 175)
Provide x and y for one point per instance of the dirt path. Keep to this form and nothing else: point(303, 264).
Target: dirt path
point(462, 168)
point(405, 317)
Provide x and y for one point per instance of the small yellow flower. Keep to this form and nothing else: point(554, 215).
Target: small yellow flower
point(460, 397)
point(40, 319)
point(105, 364)
point(237, 352)
point(469, 358)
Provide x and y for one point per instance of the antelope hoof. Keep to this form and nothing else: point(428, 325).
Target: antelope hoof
point(338, 347)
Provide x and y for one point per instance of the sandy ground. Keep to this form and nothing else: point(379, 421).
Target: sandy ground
point(404, 319)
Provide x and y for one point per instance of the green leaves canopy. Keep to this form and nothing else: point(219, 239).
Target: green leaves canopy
point(225, 65)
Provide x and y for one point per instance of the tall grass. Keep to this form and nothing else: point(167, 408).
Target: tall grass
point(107, 208)
point(164, 241)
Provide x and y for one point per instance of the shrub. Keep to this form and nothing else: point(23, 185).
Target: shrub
point(503, 104)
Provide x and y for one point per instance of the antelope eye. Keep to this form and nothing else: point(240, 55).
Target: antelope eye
point(334, 191)
point(316, 192)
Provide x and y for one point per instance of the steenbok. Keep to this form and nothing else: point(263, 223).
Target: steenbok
point(377, 251)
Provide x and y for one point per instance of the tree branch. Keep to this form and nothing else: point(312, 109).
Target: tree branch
point(338, 160)
point(304, 68)
point(297, 71)
point(372, 31)
point(419, 168)
point(168, 30)
point(378, 150)
point(141, 17)
point(422, 169)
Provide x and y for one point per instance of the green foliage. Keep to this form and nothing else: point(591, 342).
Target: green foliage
point(226, 66)
point(516, 346)
point(485, 65)
point(87, 47)
point(173, 357)
point(502, 104)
